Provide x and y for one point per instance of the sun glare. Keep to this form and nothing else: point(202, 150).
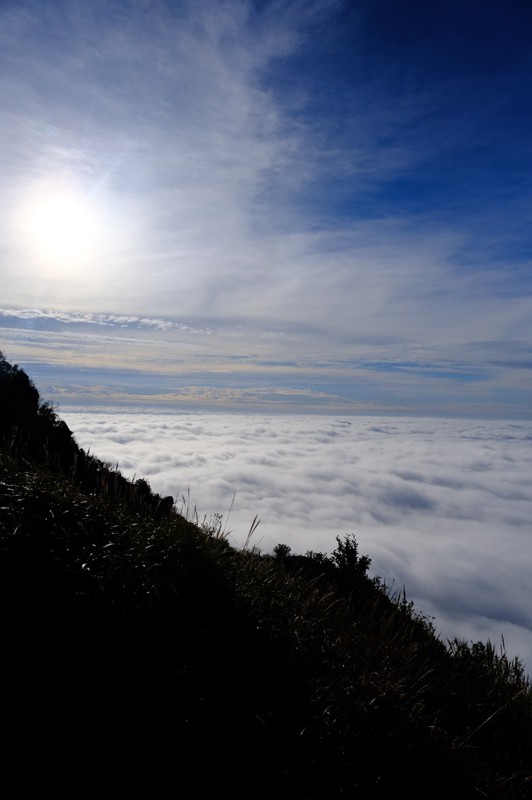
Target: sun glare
point(60, 229)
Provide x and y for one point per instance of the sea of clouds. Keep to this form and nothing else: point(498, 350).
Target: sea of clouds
point(442, 506)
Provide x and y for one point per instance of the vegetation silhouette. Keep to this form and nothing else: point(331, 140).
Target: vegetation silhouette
point(142, 652)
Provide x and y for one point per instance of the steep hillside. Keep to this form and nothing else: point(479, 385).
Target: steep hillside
point(142, 652)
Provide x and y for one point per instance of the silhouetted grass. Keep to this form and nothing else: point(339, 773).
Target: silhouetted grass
point(141, 651)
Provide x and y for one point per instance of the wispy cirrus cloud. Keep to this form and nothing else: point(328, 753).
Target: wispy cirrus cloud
point(37, 315)
point(301, 182)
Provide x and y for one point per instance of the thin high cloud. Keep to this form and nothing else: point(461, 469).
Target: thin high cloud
point(442, 506)
point(39, 316)
point(344, 181)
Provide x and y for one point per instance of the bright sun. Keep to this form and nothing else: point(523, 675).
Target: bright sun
point(60, 229)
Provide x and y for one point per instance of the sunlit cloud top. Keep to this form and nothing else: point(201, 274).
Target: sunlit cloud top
point(320, 185)
point(441, 506)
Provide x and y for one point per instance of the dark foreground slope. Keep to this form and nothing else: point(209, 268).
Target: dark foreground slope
point(142, 652)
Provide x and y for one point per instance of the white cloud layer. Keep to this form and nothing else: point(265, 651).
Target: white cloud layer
point(443, 507)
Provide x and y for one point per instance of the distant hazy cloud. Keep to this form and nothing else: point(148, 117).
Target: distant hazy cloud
point(158, 360)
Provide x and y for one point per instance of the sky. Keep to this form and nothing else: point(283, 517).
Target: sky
point(293, 240)
point(314, 206)
point(441, 506)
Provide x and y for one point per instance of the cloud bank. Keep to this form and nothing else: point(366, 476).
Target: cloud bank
point(442, 506)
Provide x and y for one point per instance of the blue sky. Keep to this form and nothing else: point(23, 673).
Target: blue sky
point(269, 205)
